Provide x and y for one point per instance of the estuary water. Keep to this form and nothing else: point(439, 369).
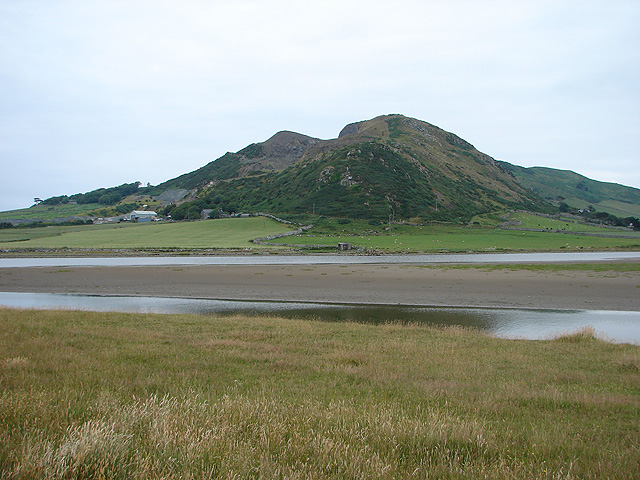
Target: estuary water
point(621, 327)
point(335, 259)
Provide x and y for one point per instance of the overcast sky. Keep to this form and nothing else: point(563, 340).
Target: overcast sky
point(96, 93)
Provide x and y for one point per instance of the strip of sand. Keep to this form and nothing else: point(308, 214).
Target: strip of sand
point(357, 284)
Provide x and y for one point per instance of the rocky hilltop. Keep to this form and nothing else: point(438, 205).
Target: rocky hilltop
point(388, 166)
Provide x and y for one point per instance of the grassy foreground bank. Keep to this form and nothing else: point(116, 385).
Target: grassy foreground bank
point(109, 395)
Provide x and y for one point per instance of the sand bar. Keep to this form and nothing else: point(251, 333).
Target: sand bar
point(359, 284)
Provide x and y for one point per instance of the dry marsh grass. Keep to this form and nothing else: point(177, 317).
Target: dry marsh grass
point(100, 395)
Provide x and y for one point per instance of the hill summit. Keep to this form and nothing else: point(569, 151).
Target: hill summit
point(391, 166)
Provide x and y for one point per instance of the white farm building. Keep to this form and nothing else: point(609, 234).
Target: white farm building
point(142, 215)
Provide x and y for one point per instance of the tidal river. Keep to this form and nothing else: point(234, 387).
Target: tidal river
point(347, 259)
point(506, 323)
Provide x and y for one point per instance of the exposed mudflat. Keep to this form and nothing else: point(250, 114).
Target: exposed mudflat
point(362, 284)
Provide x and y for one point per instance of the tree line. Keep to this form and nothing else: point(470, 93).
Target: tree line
point(590, 214)
point(101, 196)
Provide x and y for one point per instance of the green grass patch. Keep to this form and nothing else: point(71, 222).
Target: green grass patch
point(618, 208)
point(87, 395)
point(402, 238)
point(488, 219)
point(222, 233)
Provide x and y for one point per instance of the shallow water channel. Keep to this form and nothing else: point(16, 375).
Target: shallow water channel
point(621, 327)
point(324, 259)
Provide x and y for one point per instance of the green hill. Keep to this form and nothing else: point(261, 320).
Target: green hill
point(388, 166)
point(577, 191)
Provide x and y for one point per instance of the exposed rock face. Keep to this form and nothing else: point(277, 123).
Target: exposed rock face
point(277, 153)
point(173, 195)
point(288, 144)
point(350, 129)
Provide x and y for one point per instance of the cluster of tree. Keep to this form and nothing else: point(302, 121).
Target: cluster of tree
point(102, 196)
point(126, 207)
point(590, 214)
point(184, 211)
point(608, 219)
point(193, 210)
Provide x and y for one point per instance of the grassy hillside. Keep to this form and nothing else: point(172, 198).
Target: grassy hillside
point(225, 167)
point(578, 191)
point(49, 212)
point(277, 153)
point(106, 395)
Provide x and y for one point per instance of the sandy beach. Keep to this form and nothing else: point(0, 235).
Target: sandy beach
point(358, 284)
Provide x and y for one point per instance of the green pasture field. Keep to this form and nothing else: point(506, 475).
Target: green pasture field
point(221, 233)
point(142, 396)
point(464, 239)
point(49, 212)
point(529, 220)
point(237, 233)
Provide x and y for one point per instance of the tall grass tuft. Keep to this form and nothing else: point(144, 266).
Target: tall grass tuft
point(585, 334)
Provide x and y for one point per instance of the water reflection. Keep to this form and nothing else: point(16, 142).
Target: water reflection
point(506, 323)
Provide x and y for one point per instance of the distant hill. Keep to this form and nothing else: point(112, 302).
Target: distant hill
point(578, 191)
point(389, 167)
